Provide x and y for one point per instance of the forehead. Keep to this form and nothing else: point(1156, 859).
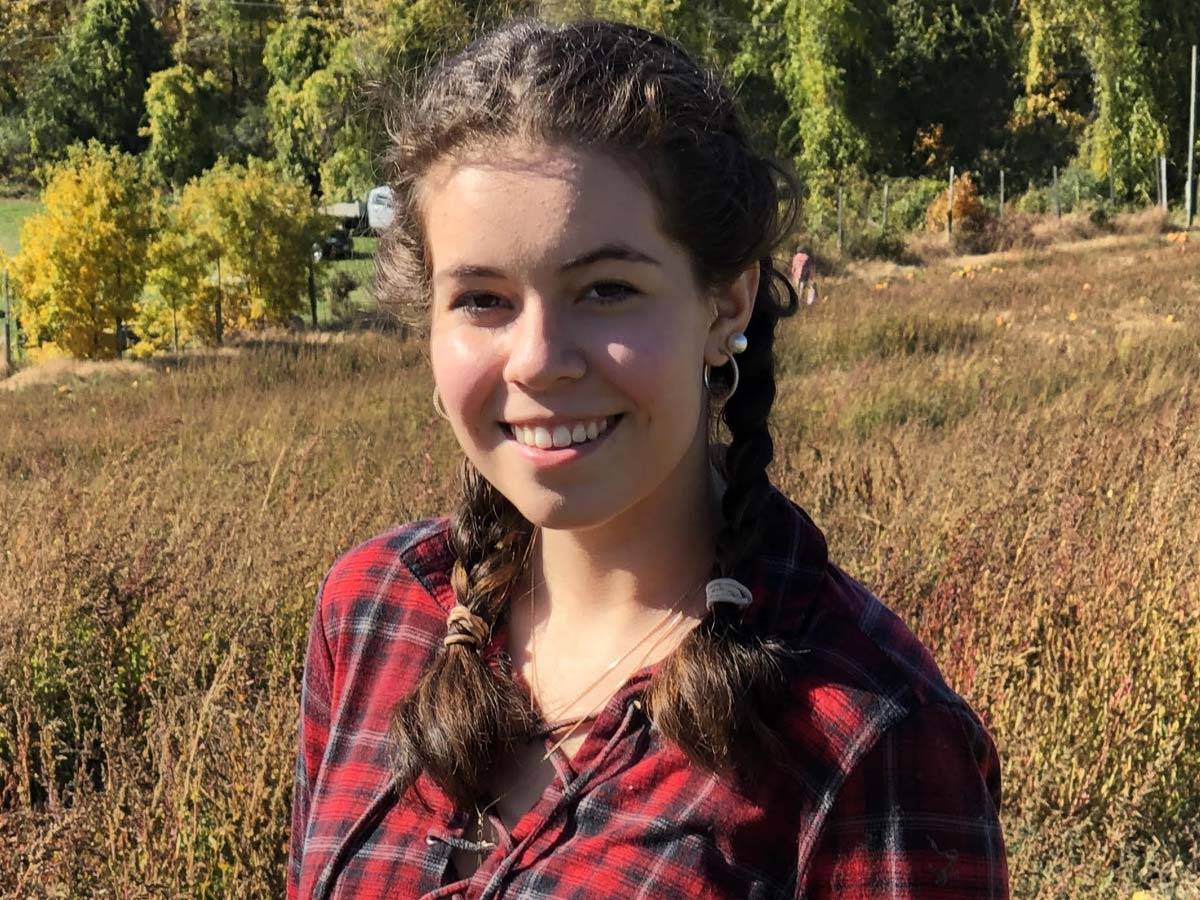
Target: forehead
point(533, 204)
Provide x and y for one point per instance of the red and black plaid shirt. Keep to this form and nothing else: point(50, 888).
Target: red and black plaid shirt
point(890, 786)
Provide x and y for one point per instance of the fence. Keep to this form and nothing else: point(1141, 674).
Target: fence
point(871, 204)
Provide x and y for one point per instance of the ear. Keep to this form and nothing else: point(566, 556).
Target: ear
point(732, 306)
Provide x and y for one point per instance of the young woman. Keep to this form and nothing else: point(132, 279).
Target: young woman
point(625, 667)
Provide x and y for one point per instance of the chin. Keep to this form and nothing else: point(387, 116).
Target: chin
point(562, 512)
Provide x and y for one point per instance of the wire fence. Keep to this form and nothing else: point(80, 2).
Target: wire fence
point(903, 205)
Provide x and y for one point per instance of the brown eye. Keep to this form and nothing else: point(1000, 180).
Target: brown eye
point(477, 302)
point(607, 292)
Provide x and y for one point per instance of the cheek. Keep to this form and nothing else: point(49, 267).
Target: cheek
point(657, 354)
point(462, 371)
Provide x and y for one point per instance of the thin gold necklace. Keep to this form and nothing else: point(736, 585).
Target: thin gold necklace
point(671, 620)
point(673, 616)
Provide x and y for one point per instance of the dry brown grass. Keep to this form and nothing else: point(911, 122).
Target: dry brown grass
point(1008, 450)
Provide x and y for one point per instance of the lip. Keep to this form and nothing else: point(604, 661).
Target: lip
point(556, 456)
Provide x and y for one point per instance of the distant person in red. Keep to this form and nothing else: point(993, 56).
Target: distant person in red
point(802, 278)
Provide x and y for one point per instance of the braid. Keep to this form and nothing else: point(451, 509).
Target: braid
point(712, 696)
point(464, 712)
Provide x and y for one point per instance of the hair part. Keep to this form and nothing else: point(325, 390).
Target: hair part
point(638, 96)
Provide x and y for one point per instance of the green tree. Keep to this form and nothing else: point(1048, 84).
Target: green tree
point(227, 40)
point(326, 125)
point(94, 86)
point(182, 106)
point(296, 51)
point(1125, 130)
point(83, 257)
point(820, 34)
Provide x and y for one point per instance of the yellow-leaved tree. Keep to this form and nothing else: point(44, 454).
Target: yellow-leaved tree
point(83, 257)
point(179, 305)
point(232, 254)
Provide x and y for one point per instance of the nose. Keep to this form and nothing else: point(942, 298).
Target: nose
point(544, 347)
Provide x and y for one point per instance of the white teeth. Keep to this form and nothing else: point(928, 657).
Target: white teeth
point(561, 436)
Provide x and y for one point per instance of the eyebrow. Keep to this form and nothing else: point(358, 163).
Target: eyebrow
point(617, 251)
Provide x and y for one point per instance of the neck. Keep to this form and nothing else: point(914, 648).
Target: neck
point(615, 577)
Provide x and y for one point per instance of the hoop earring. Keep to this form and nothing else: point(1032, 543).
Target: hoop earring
point(736, 343)
point(733, 385)
point(438, 406)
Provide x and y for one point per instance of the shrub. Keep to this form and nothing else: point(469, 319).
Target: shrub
point(341, 286)
point(969, 212)
point(910, 199)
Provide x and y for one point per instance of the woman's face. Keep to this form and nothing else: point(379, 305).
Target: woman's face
point(568, 333)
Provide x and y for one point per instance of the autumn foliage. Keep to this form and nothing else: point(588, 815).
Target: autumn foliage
point(225, 254)
point(83, 258)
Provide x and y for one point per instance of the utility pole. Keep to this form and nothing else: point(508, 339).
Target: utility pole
point(1191, 183)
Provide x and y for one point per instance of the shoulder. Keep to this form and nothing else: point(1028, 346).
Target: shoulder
point(858, 672)
point(401, 574)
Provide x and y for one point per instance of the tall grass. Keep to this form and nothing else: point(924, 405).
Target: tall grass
point(1011, 458)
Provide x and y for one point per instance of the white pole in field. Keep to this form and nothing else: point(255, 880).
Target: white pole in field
point(1001, 195)
point(886, 185)
point(1162, 163)
point(1191, 184)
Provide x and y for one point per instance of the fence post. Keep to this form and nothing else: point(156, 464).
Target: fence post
point(1162, 164)
point(1001, 195)
point(313, 259)
point(220, 323)
point(886, 185)
point(1057, 204)
point(7, 326)
point(841, 234)
point(1191, 184)
point(950, 208)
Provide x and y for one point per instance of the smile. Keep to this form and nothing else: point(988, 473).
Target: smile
point(560, 435)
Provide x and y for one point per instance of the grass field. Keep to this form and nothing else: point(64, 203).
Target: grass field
point(1007, 449)
point(12, 213)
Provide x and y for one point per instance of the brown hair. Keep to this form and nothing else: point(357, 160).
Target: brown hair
point(638, 96)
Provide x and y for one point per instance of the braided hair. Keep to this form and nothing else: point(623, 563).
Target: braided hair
point(640, 97)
